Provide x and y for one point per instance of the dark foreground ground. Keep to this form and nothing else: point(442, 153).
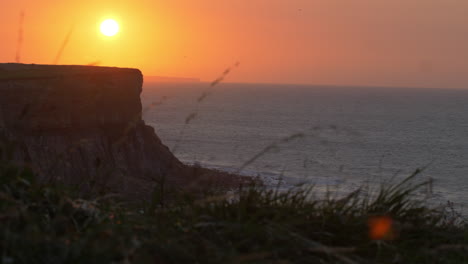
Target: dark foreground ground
point(53, 224)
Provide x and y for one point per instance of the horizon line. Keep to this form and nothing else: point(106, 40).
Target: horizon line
point(380, 86)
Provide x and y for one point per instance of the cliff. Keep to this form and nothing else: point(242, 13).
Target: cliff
point(83, 126)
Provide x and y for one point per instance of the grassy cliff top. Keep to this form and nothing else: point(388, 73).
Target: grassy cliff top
point(17, 71)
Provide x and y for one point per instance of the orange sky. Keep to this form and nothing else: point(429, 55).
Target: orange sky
point(343, 42)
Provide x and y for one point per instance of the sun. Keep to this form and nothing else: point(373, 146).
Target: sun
point(109, 27)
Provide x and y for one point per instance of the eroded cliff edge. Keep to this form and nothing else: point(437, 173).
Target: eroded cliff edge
point(82, 125)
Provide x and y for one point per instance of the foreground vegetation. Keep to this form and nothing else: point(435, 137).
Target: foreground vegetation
point(50, 224)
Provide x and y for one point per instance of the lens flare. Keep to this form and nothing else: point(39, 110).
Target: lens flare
point(381, 228)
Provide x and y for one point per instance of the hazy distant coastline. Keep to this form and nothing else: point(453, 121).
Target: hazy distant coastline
point(166, 79)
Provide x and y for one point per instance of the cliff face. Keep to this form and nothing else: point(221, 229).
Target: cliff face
point(82, 125)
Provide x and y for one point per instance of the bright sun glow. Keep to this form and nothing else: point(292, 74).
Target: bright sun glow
point(109, 27)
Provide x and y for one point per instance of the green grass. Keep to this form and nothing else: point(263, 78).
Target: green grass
point(50, 224)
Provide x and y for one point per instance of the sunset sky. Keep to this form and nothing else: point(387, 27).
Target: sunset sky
point(420, 43)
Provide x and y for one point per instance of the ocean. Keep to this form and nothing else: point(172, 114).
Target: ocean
point(336, 138)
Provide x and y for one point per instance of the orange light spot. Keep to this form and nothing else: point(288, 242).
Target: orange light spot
point(381, 228)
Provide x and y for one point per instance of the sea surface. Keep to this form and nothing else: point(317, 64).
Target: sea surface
point(337, 138)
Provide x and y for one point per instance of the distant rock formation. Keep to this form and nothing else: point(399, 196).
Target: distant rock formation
point(82, 125)
point(162, 79)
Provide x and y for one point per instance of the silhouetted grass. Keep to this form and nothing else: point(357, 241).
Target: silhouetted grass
point(19, 44)
point(50, 224)
point(63, 45)
point(193, 115)
point(271, 147)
